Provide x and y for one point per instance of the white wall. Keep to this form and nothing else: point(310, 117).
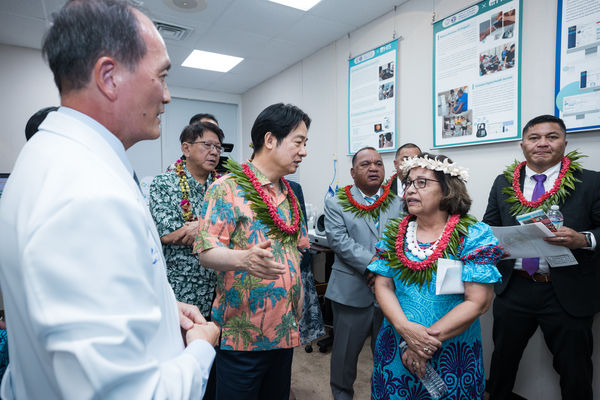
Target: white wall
point(26, 86)
point(318, 85)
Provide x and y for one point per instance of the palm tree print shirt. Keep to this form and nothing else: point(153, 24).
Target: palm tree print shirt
point(254, 313)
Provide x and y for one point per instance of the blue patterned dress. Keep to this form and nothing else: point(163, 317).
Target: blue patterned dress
point(460, 360)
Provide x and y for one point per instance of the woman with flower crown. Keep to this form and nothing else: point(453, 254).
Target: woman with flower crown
point(441, 329)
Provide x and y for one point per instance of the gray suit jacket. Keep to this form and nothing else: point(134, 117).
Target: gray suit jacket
point(353, 241)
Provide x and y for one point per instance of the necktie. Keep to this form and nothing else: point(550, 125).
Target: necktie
point(370, 200)
point(531, 265)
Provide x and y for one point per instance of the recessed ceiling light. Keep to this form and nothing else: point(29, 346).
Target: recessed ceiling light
point(211, 61)
point(303, 5)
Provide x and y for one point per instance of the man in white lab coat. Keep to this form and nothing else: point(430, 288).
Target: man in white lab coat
point(89, 311)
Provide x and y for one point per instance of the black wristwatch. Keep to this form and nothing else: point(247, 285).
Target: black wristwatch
point(588, 238)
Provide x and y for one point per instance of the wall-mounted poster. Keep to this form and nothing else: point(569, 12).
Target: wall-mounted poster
point(577, 86)
point(372, 85)
point(477, 75)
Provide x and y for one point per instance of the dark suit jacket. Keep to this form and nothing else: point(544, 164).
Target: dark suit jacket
point(576, 287)
point(394, 186)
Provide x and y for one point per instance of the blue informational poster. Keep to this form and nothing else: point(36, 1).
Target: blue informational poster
point(372, 85)
point(477, 75)
point(577, 86)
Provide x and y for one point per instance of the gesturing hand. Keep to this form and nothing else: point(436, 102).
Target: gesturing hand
point(259, 261)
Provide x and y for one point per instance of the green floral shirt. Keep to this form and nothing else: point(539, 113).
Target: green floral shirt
point(191, 282)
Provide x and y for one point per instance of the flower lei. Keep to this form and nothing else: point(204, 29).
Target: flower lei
point(263, 207)
point(421, 272)
point(556, 195)
point(361, 210)
point(185, 204)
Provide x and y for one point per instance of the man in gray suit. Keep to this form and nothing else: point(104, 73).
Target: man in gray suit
point(354, 222)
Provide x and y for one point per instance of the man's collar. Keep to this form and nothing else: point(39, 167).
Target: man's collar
point(364, 195)
point(262, 179)
point(529, 172)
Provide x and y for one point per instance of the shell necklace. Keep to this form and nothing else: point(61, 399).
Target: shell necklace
point(413, 244)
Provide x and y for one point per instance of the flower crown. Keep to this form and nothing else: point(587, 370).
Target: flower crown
point(434, 164)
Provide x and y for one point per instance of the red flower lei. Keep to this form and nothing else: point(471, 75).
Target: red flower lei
point(281, 225)
point(368, 208)
point(566, 163)
point(422, 265)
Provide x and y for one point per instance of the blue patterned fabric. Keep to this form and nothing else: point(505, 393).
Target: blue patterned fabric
point(3, 352)
point(460, 359)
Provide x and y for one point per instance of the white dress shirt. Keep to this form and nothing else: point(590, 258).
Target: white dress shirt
point(90, 313)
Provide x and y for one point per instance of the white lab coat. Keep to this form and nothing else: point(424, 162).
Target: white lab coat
point(89, 310)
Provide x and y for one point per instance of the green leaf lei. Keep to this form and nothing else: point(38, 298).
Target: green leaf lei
point(408, 275)
point(558, 197)
point(258, 206)
point(360, 210)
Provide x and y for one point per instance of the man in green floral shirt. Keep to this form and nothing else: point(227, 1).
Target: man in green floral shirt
point(251, 230)
point(176, 199)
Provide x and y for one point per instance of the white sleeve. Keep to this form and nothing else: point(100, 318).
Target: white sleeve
point(97, 303)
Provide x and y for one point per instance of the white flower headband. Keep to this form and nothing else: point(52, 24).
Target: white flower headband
point(433, 164)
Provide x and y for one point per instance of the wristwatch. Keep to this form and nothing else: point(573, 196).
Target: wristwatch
point(588, 238)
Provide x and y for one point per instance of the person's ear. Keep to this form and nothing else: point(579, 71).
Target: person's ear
point(270, 141)
point(105, 75)
point(185, 149)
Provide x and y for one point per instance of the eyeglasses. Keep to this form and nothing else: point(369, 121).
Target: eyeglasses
point(419, 183)
point(209, 146)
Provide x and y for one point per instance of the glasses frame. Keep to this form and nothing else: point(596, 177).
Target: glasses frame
point(408, 183)
point(209, 146)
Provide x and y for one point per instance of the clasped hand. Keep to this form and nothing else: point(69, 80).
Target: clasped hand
point(421, 340)
point(194, 326)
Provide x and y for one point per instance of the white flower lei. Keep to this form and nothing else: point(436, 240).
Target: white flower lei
point(435, 165)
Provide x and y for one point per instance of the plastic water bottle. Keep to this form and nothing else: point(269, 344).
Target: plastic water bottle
point(556, 216)
point(434, 384)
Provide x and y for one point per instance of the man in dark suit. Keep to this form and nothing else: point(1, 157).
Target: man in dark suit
point(561, 301)
point(352, 235)
point(405, 151)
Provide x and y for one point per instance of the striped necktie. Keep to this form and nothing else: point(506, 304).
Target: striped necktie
point(370, 200)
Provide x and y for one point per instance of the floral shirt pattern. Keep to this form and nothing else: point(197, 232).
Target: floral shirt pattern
point(191, 283)
point(254, 314)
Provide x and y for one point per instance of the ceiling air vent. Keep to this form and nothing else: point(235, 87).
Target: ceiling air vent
point(172, 32)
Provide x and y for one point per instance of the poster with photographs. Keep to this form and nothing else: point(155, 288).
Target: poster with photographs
point(372, 83)
point(477, 75)
point(577, 87)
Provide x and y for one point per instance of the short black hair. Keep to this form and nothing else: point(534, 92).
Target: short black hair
point(194, 131)
point(85, 30)
point(545, 118)
point(279, 119)
point(359, 150)
point(407, 146)
point(36, 119)
point(199, 117)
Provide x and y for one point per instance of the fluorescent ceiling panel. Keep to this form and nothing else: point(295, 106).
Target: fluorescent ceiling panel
point(211, 61)
point(303, 5)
